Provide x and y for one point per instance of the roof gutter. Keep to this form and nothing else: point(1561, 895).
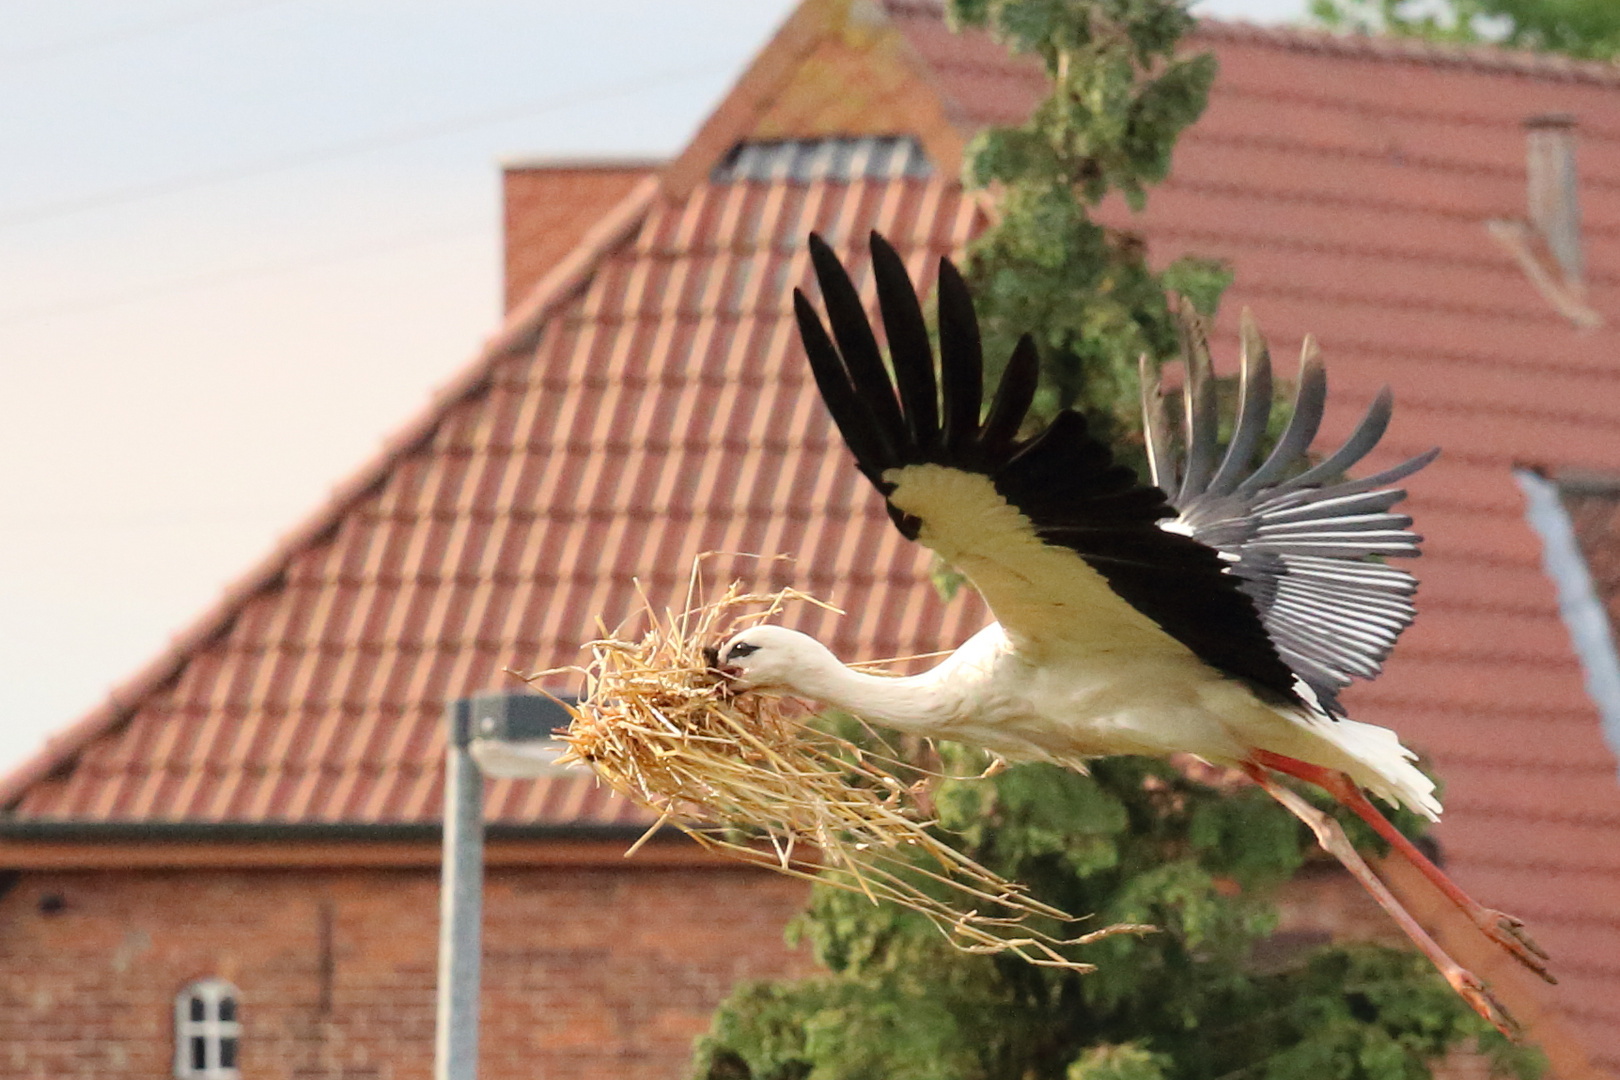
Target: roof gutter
point(36, 844)
point(283, 832)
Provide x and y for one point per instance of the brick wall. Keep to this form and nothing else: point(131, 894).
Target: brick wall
point(588, 973)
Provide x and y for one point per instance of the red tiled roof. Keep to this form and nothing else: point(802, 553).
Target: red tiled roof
point(646, 403)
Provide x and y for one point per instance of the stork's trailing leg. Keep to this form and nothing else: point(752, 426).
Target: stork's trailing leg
point(1506, 930)
point(1334, 842)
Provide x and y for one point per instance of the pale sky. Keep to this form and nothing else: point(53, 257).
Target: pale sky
point(241, 242)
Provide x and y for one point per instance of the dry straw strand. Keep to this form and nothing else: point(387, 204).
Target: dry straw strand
point(746, 776)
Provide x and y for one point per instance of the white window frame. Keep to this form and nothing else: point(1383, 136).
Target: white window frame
point(210, 1029)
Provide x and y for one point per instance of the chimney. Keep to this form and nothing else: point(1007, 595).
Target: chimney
point(1555, 209)
point(1547, 244)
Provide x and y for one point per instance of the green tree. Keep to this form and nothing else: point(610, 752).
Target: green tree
point(1589, 29)
point(1136, 840)
point(1119, 98)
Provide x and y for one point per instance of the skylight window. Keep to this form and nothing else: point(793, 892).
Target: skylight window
point(839, 159)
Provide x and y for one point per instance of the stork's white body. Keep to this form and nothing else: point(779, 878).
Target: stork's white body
point(1067, 708)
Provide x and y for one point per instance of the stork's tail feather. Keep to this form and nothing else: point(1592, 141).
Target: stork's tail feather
point(1379, 763)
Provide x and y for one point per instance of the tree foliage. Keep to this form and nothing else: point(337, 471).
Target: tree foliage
point(1589, 29)
point(1136, 841)
point(1119, 98)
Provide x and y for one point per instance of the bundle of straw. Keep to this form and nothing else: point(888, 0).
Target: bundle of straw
point(747, 776)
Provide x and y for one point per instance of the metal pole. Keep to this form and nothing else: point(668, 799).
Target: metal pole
point(461, 894)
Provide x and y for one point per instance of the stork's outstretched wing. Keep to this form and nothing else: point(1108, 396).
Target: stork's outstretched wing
point(1304, 542)
point(1065, 545)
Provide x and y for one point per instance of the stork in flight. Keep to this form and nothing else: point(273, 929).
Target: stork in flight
point(1218, 613)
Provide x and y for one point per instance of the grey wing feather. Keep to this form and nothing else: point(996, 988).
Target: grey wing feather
point(1202, 421)
point(1306, 544)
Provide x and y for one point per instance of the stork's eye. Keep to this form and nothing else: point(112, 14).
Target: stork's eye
point(740, 650)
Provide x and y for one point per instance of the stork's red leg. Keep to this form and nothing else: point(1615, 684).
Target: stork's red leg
point(1506, 930)
point(1333, 841)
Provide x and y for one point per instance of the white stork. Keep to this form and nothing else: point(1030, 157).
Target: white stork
point(1217, 614)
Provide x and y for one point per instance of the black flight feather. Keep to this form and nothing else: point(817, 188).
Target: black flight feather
point(856, 342)
point(961, 361)
point(869, 440)
point(909, 351)
point(1014, 395)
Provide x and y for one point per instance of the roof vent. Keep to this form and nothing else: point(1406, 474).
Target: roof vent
point(1547, 245)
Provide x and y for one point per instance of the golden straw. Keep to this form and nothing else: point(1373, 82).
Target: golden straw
point(746, 776)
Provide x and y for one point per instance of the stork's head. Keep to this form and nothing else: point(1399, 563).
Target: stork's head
point(770, 658)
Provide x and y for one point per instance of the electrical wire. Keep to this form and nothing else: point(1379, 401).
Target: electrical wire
point(352, 148)
point(24, 57)
point(176, 286)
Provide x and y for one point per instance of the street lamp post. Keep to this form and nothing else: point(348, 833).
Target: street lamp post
point(461, 902)
point(505, 735)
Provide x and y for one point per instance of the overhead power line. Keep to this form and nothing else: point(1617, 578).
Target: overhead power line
point(24, 57)
point(178, 286)
point(351, 148)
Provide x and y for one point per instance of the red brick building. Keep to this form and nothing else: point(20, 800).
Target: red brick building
point(252, 818)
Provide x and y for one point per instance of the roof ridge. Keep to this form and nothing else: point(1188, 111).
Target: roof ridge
point(1487, 58)
point(520, 328)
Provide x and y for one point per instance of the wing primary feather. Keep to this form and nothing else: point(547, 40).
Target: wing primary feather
point(1254, 408)
point(1013, 398)
point(1368, 574)
point(1324, 680)
point(856, 342)
point(1377, 632)
point(1389, 624)
point(961, 360)
point(1201, 420)
point(1392, 475)
point(1361, 441)
point(1395, 592)
point(1332, 504)
point(1156, 427)
point(1338, 523)
point(1310, 399)
point(874, 447)
point(910, 354)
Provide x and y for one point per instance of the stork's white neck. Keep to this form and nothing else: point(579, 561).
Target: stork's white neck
point(917, 703)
